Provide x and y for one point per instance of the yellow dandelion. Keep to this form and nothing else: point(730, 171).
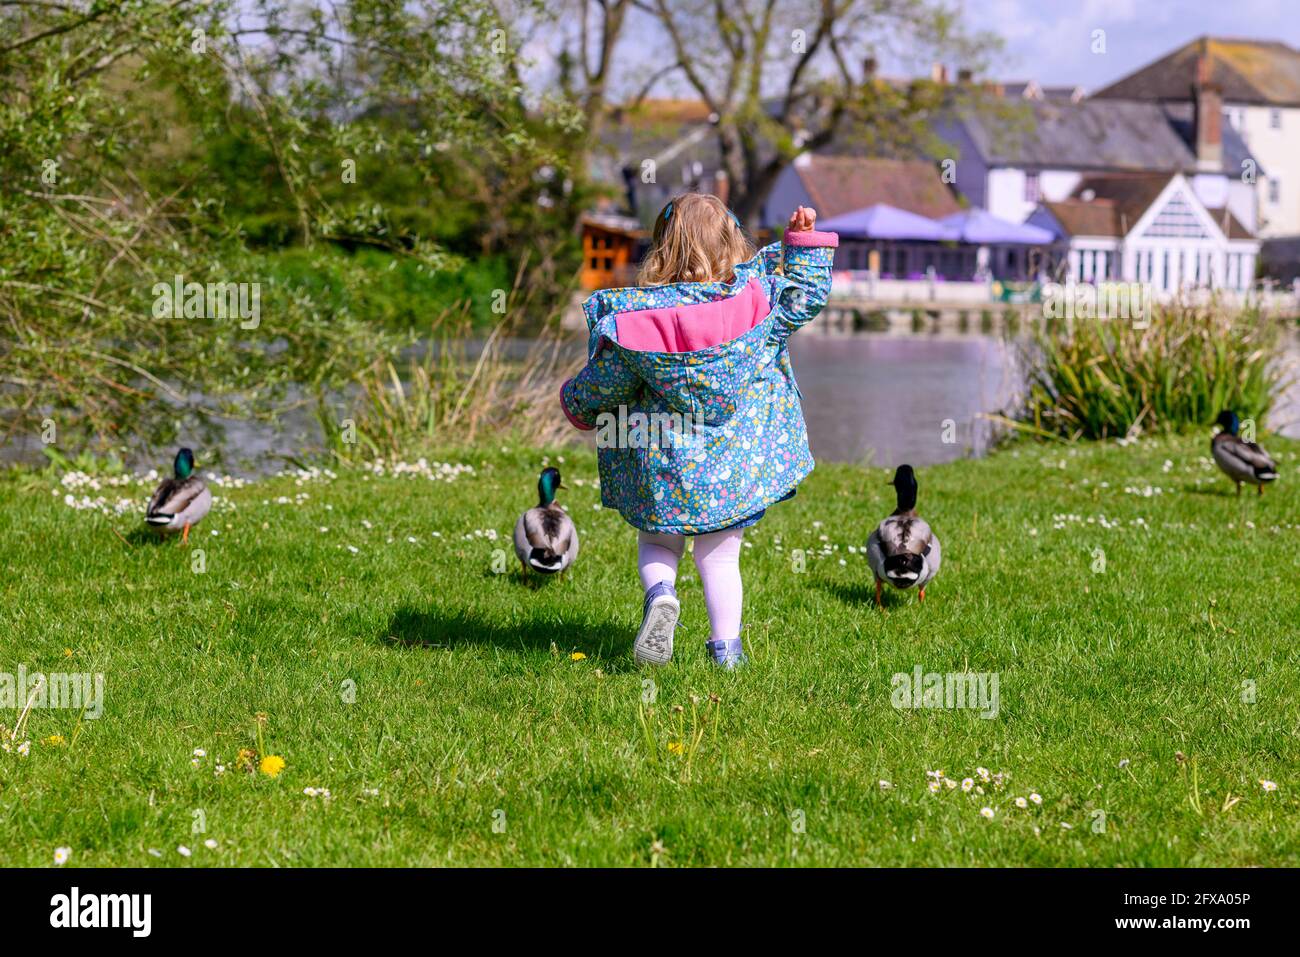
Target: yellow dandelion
point(67, 652)
point(271, 765)
point(675, 747)
point(577, 656)
point(54, 739)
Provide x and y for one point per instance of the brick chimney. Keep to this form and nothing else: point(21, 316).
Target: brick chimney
point(939, 74)
point(1207, 117)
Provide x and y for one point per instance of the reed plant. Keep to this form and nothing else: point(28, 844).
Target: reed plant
point(1103, 378)
point(452, 388)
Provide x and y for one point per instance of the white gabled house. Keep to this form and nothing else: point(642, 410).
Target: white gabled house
point(1151, 228)
point(1257, 84)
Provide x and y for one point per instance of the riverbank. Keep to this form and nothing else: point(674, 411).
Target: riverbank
point(1139, 620)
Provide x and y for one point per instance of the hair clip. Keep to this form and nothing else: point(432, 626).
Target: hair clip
point(668, 211)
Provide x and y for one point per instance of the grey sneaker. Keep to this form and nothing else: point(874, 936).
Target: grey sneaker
point(654, 642)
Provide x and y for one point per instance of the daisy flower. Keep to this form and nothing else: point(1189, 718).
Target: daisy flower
point(986, 812)
point(61, 855)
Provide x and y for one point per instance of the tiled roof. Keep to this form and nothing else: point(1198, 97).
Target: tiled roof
point(1111, 205)
point(1126, 135)
point(1247, 71)
point(842, 184)
point(1231, 226)
point(1117, 202)
point(1078, 218)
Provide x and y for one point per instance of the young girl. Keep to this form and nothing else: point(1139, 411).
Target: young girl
point(698, 348)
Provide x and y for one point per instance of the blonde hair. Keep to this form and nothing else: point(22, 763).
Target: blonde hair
point(696, 239)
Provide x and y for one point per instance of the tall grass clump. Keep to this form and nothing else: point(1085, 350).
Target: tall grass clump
point(450, 388)
point(1099, 378)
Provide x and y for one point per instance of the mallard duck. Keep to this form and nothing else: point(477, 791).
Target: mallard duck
point(902, 550)
point(1241, 461)
point(545, 539)
point(181, 501)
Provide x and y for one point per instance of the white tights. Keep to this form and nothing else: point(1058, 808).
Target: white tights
point(717, 559)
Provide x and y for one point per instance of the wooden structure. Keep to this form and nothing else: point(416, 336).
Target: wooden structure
point(611, 247)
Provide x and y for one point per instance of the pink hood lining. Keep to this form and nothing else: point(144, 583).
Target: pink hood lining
point(693, 327)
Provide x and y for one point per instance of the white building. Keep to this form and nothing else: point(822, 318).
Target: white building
point(1259, 85)
point(1150, 228)
point(1012, 154)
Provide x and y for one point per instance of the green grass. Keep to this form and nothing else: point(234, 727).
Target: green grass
point(470, 708)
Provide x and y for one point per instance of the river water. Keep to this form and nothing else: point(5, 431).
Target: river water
point(882, 398)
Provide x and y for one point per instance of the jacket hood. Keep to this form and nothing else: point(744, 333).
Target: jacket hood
point(700, 358)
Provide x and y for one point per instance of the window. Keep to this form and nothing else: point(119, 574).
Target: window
point(1033, 189)
point(1275, 119)
point(1177, 218)
point(1274, 190)
point(1164, 275)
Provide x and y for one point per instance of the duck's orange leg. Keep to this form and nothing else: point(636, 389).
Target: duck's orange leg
point(1261, 489)
point(920, 594)
point(879, 603)
point(185, 534)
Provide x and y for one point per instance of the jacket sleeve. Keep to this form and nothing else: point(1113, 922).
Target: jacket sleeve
point(808, 255)
point(605, 383)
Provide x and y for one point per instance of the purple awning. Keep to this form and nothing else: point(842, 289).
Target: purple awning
point(886, 222)
point(980, 227)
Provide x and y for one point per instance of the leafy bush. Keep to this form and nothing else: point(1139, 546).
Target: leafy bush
point(145, 141)
point(1099, 378)
point(396, 292)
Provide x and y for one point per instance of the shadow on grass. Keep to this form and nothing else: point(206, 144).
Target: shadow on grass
point(456, 628)
point(864, 594)
point(533, 581)
point(1215, 491)
point(146, 536)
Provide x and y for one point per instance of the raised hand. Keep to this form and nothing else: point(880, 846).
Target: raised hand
point(803, 219)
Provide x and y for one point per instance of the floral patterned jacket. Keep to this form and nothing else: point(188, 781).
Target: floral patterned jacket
point(691, 389)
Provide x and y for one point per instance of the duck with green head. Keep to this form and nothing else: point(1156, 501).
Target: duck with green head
point(180, 501)
point(545, 539)
point(1238, 459)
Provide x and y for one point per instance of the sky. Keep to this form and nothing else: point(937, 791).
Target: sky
point(1051, 40)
